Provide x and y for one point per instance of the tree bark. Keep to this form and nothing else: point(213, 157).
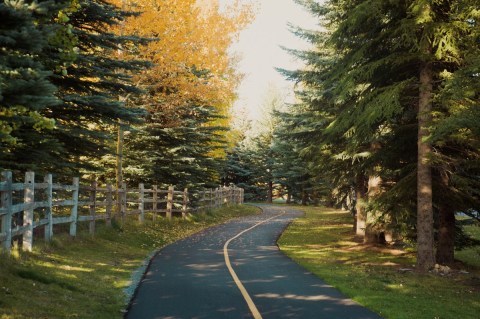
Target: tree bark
point(119, 166)
point(289, 197)
point(425, 239)
point(361, 195)
point(270, 192)
point(304, 197)
point(446, 236)
point(372, 233)
point(446, 229)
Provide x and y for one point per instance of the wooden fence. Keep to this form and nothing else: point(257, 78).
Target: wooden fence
point(26, 206)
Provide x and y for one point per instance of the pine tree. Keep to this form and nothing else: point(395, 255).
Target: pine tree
point(93, 82)
point(25, 91)
point(389, 57)
point(240, 170)
point(175, 148)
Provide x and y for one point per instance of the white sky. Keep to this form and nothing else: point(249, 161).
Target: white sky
point(260, 51)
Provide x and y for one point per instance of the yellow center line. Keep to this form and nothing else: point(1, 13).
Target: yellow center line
point(253, 309)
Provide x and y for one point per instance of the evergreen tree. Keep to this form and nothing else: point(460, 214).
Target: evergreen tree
point(93, 81)
point(240, 170)
point(389, 58)
point(291, 167)
point(174, 148)
point(25, 91)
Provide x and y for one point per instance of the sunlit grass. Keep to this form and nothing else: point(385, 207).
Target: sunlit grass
point(85, 277)
point(324, 243)
point(470, 256)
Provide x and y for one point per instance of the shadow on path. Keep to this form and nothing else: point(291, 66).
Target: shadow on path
point(189, 279)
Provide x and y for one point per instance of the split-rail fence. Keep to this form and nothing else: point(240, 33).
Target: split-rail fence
point(26, 207)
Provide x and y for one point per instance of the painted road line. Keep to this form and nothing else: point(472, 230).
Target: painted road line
point(251, 305)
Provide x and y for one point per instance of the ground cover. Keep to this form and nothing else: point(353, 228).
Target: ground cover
point(86, 277)
point(382, 279)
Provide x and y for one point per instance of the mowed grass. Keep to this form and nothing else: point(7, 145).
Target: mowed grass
point(324, 243)
point(470, 256)
point(85, 277)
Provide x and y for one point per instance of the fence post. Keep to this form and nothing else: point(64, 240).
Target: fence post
point(213, 193)
point(108, 209)
point(29, 200)
point(239, 195)
point(170, 202)
point(49, 212)
point(93, 206)
point(6, 205)
point(220, 196)
point(141, 203)
point(224, 196)
point(210, 199)
point(74, 210)
point(155, 202)
point(185, 202)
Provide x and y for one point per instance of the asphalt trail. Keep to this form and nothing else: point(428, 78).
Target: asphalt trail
point(190, 278)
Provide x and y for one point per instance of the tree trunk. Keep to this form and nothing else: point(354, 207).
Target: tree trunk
point(372, 233)
point(361, 195)
point(270, 192)
point(446, 236)
point(304, 197)
point(446, 229)
point(289, 197)
point(119, 166)
point(425, 239)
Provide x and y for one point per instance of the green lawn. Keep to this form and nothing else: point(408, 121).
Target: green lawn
point(86, 277)
point(324, 243)
point(470, 256)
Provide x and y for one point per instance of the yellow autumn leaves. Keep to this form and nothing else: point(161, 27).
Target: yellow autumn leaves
point(189, 52)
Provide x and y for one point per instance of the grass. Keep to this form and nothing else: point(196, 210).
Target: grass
point(470, 256)
point(324, 243)
point(85, 277)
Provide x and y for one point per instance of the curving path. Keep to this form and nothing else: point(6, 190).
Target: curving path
point(235, 270)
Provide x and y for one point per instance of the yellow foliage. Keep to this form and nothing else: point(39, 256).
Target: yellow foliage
point(189, 35)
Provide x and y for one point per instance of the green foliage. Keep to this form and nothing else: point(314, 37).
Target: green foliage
point(356, 114)
point(25, 92)
point(176, 147)
point(241, 169)
point(93, 82)
point(60, 83)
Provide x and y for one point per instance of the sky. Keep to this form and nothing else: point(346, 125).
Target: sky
point(259, 48)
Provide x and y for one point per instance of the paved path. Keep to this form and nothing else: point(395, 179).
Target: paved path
point(191, 279)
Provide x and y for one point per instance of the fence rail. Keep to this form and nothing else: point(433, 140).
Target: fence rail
point(27, 206)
